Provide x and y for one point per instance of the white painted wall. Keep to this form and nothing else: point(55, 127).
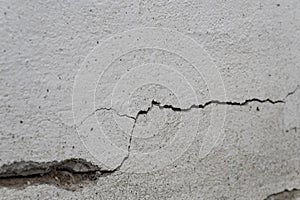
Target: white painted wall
point(75, 74)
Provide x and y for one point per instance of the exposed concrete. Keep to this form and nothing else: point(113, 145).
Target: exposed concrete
point(203, 105)
point(68, 174)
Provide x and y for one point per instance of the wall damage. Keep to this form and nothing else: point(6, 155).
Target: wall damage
point(69, 174)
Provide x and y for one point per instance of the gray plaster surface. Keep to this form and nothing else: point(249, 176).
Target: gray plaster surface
point(169, 99)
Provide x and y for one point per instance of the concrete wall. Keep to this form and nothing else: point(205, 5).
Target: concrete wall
point(140, 99)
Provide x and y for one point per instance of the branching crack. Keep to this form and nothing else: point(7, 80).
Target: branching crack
point(131, 135)
point(72, 173)
point(201, 106)
point(178, 109)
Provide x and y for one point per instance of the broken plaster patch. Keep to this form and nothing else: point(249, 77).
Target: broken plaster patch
point(70, 174)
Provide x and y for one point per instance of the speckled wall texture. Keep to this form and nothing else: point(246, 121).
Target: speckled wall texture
point(140, 99)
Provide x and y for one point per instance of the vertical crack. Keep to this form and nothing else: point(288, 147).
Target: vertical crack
point(141, 112)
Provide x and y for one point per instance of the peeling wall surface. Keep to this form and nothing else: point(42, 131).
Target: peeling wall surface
point(140, 99)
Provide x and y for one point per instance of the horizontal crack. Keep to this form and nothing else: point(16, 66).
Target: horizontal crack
point(69, 174)
point(177, 109)
point(216, 102)
point(201, 106)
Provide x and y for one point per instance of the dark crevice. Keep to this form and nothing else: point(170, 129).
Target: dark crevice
point(73, 173)
point(202, 106)
point(215, 102)
point(70, 174)
point(293, 194)
point(177, 109)
point(194, 106)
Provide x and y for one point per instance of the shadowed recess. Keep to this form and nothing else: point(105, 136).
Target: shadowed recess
point(70, 174)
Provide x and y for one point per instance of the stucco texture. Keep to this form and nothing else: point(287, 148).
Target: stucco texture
point(170, 99)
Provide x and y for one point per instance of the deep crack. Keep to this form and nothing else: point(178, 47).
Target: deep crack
point(72, 173)
point(216, 102)
point(201, 106)
point(194, 106)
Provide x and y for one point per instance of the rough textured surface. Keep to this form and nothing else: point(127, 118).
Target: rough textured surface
point(292, 195)
point(69, 174)
point(145, 123)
